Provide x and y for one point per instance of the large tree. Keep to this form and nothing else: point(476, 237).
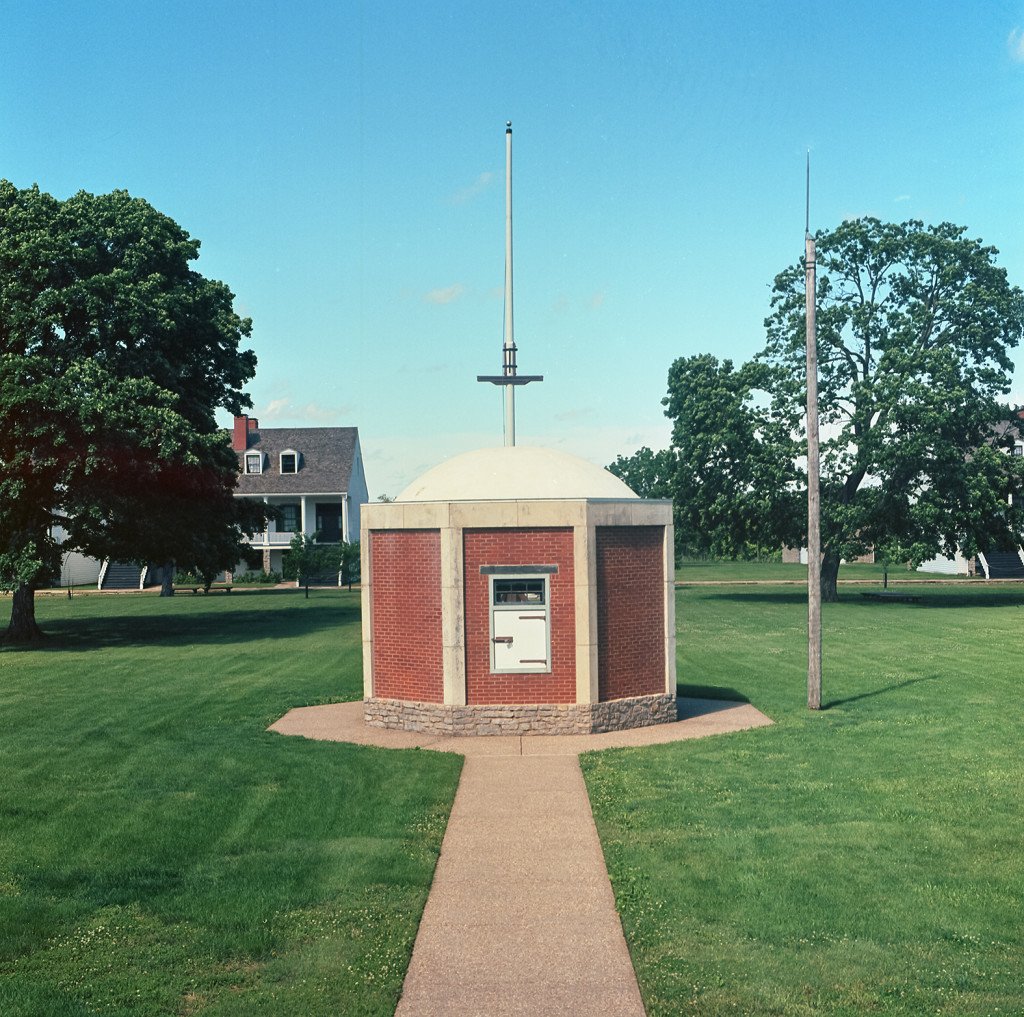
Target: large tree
point(914, 329)
point(114, 356)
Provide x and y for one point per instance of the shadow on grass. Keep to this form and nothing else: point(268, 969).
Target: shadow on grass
point(710, 692)
point(878, 692)
point(978, 597)
point(153, 627)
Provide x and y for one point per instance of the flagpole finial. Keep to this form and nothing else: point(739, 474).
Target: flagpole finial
point(807, 219)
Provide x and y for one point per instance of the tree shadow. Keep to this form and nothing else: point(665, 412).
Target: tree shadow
point(197, 626)
point(878, 692)
point(775, 596)
point(930, 599)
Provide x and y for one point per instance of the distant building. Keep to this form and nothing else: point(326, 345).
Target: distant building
point(313, 475)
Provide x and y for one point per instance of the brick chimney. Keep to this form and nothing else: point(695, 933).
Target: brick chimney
point(240, 434)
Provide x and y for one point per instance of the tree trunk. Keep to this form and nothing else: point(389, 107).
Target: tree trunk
point(167, 586)
point(23, 627)
point(829, 576)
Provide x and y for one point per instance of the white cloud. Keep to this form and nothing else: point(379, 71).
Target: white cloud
point(274, 409)
point(1015, 44)
point(281, 411)
point(571, 415)
point(313, 413)
point(421, 369)
point(478, 186)
point(446, 295)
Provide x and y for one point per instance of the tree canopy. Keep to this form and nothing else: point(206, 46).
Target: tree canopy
point(646, 473)
point(114, 357)
point(914, 330)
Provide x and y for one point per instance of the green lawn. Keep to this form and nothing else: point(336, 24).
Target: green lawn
point(866, 858)
point(161, 853)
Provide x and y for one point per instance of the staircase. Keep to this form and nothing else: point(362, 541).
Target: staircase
point(121, 576)
point(1003, 565)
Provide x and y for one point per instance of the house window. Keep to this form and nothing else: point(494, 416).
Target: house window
point(520, 624)
point(290, 518)
point(1018, 450)
point(254, 462)
point(289, 462)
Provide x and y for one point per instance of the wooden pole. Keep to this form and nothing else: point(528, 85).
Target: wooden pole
point(813, 494)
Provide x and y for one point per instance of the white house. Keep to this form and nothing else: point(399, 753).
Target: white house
point(312, 475)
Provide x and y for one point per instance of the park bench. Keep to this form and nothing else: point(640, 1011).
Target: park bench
point(212, 589)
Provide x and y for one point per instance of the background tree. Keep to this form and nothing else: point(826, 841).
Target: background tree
point(914, 328)
point(735, 457)
point(114, 357)
point(305, 559)
point(646, 473)
point(350, 562)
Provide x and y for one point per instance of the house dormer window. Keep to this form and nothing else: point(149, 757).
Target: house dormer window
point(289, 462)
point(253, 462)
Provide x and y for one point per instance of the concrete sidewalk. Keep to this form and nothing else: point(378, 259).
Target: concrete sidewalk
point(343, 722)
point(521, 918)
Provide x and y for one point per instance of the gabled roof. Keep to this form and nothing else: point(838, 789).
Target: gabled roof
point(327, 458)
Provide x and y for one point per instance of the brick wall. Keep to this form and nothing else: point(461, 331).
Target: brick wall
point(519, 547)
point(630, 611)
point(407, 646)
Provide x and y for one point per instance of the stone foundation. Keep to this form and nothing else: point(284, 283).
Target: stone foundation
point(571, 718)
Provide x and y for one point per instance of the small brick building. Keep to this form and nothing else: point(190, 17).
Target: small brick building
point(518, 590)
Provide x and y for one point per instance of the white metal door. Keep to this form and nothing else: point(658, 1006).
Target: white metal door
point(520, 641)
point(520, 629)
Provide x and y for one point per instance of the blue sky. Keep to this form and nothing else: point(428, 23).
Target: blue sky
point(343, 165)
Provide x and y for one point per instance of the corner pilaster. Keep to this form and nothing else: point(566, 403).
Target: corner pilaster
point(585, 571)
point(453, 627)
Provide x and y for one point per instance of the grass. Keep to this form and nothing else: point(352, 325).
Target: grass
point(161, 853)
point(862, 859)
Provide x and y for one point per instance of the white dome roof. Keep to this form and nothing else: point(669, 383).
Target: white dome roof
point(519, 473)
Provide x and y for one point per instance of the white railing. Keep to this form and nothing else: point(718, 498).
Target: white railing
point(273, 538)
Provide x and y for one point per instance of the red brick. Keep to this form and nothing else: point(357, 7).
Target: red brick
point(630, 611)
point(408, 658)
